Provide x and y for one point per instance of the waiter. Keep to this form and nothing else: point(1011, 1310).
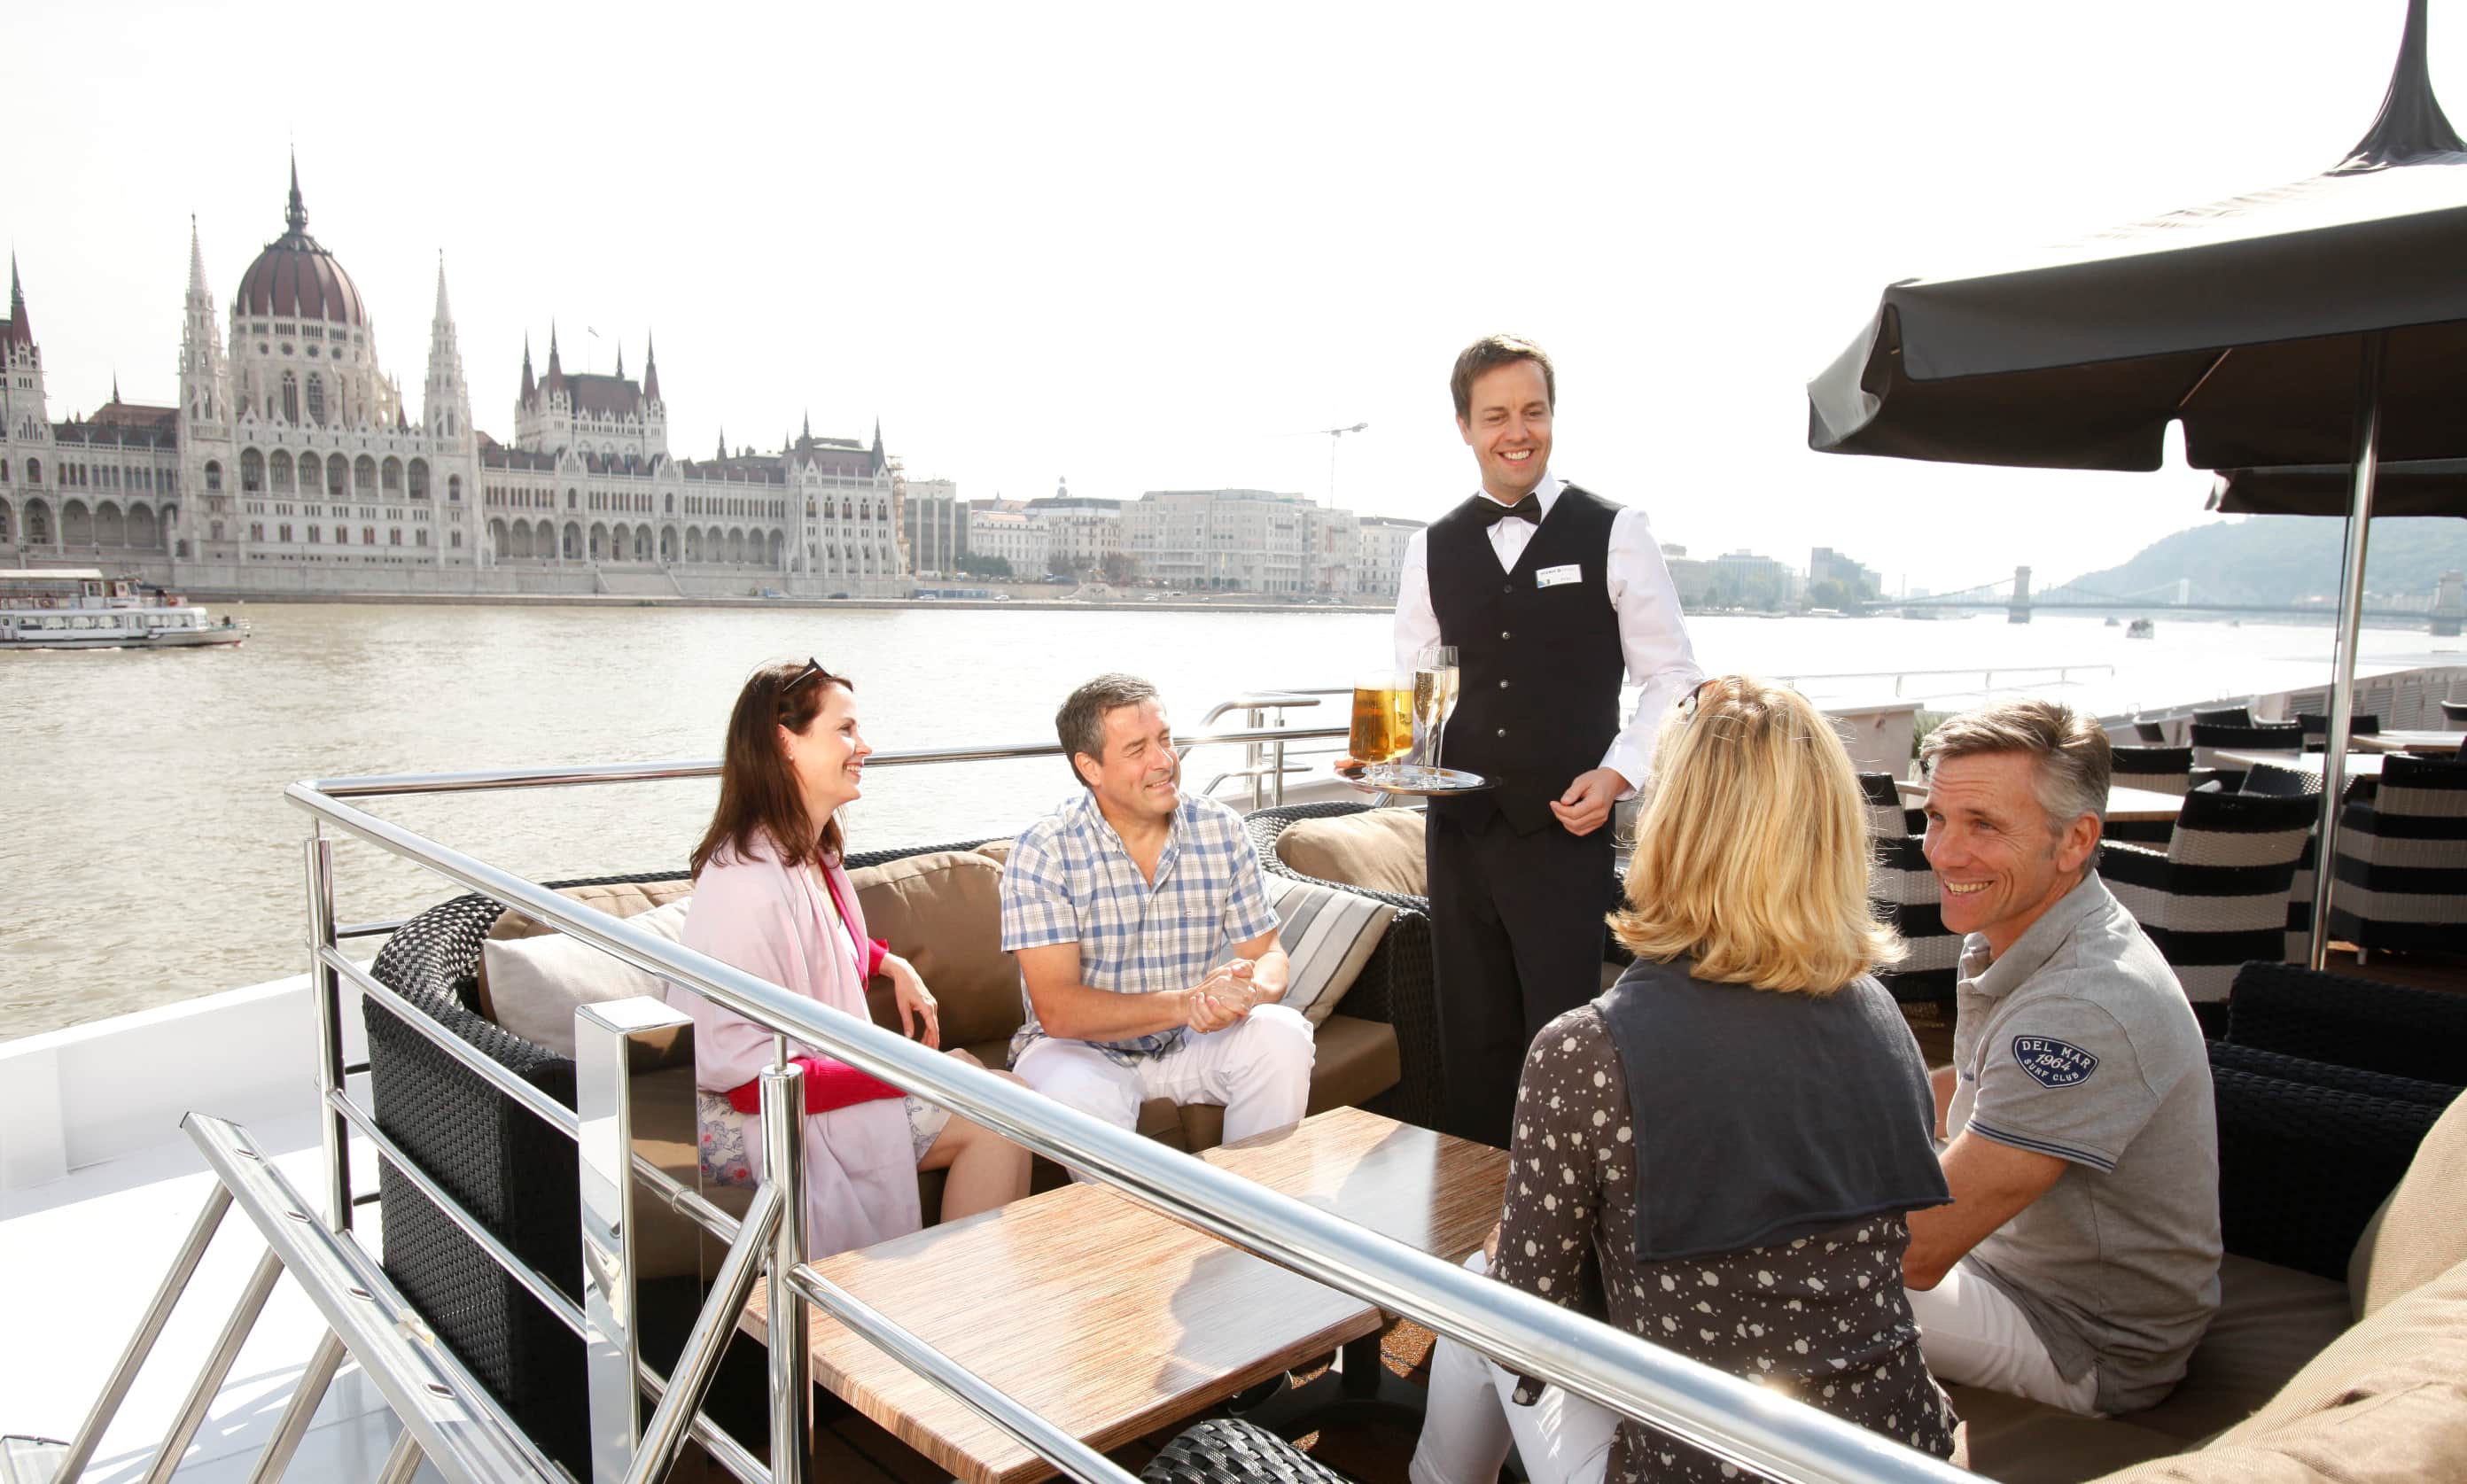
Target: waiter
point(1551, 595)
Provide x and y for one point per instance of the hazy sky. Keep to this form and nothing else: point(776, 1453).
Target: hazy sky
point(1155, 246)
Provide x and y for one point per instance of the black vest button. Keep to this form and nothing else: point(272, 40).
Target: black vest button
point(1503, 634)
point(1503, 684)
point(1502, 732)
point(1507, 587)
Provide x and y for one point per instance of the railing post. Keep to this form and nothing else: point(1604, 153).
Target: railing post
point(633, 1088)
point(326, 989)
point(783, 1167)
point(1251, 720)
point(175, 1282)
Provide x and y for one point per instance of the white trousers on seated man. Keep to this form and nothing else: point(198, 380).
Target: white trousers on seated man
point(1973, 1334)
point(1257, 1069)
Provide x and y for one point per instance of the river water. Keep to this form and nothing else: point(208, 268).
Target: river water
point(149, 856)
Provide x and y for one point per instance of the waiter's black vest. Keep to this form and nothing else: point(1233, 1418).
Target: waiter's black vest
point(1539, 667)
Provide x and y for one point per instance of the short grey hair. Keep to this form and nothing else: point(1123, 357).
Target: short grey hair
point(1080, 723)
point(2071, 752)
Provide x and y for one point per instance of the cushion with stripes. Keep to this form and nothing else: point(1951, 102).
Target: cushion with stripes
point(1328, 935)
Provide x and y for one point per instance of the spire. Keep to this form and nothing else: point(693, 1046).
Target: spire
point(295, 215)
point(878, 435)
point(115, 386)
point(21, 330)
point(531, 387)
point(650, 369)
point(621, 360)
point(196, 263)
point(445, 310)
point(809, 426)
point(723, 445)
point(555, 371)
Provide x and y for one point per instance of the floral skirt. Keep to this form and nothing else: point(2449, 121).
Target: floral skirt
point(722, 1132)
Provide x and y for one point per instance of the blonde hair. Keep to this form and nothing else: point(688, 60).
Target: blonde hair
point(1753, 854)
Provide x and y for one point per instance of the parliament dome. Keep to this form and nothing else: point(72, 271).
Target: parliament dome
point(296, 278)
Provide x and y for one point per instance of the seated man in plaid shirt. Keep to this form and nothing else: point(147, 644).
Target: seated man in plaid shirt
point(1148, 950)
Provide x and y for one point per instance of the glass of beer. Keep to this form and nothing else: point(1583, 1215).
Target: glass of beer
point(1434, 700)
point(1383, 718)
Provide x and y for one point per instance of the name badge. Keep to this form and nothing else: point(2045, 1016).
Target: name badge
point(1552, 576)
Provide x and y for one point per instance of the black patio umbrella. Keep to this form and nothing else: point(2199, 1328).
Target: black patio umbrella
point(2322, 320)
point(2425, 487)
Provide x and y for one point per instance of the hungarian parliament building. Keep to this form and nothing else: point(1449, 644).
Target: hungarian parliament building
point(292, 463)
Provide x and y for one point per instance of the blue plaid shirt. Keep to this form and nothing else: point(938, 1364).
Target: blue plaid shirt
point(1069, 880)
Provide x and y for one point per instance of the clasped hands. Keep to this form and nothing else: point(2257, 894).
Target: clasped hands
point(1226, 995)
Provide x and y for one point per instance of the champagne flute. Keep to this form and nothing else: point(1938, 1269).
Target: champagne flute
point(1434, 700)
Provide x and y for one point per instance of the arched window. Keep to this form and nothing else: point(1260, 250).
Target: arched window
point(213, 477)
point(316, 399)
point(389, 476)
point(419, 481)
point(290, 397)
point(453, 484)
point(337, 471)
point(252, 471)
point(282, 471)
point(364, 477)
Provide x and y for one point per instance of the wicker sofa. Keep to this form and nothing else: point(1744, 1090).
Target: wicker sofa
point(518, 1176)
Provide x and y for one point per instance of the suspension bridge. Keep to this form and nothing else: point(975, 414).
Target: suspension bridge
point(2015, 597)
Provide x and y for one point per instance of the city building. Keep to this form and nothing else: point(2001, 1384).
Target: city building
point(1331, 549)
point(1379, 551)
point(1219, 540)
point(1744, 579)
point(1827, 565)
point(1080, 530)
point(290, 463)
point(1004, 529)
point(936, 526)
point(1691, 577)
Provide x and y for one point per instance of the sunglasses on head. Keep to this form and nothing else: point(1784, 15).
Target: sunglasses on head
point(813, 668)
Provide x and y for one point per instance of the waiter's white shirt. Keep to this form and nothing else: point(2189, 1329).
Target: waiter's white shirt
point(1653, 640)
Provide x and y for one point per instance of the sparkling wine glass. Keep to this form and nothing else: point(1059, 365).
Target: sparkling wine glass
point(1434, 700)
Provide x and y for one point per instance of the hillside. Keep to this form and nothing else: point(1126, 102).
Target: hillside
point(2289, 559)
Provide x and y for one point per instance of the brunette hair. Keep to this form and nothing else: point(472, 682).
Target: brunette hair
point(1080, 725)
point(1490, 354)
point(1753, 855)
point(759, 796)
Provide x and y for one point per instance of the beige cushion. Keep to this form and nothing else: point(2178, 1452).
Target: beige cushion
point(2270, 1322)
point(996, 850)
point(537, 981)
point(1352, 1061)
point(942, 912)
point(623, 899)
point(1378, 848)
point(1328, 935)
point(2014, 1441)
point(2421, 1231)
point(2408, 1435)
point(2420, 1336)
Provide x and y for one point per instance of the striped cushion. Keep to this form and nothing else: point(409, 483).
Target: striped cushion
point(1901, 888)
point(1328, 935)
point(2401, 879)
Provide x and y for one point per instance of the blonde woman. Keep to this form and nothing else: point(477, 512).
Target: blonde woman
point(1751, 1063)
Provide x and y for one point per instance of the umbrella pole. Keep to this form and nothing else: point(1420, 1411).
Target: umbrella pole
point(2351, 602)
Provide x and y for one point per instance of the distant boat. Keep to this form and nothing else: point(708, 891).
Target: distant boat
point(2112, 622)
point(2142, 628)
point(60, 608)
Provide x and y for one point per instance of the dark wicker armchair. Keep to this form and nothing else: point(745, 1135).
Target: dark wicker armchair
point(1396, 987)
point(2303, 1165)
point(2349, 1021)
point(513, 1172)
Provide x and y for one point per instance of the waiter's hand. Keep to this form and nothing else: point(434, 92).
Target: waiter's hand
point(1587, 803)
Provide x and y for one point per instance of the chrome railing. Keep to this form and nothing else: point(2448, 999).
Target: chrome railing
point(1723, 1413)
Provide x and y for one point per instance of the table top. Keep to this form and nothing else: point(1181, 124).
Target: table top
point(2359, 765)
point(2123, 800)
point(2411, 741)
point(1112, 1320)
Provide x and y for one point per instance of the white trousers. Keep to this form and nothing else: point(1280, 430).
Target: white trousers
point(1257, 1069)
point(1972, 1333)
point(1472, 1416)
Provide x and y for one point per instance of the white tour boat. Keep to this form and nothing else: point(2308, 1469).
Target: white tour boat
point(79, 607)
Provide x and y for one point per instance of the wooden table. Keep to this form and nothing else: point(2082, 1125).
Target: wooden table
point(1112, 1320)
point(2410, 741)
point(2123, 801)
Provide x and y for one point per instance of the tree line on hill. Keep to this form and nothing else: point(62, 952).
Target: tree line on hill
point(2287, 559)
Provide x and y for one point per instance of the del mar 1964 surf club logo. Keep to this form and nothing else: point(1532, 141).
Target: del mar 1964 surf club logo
point(2055, 1064)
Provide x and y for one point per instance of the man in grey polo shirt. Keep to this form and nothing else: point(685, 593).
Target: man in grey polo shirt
point(2079, 1263)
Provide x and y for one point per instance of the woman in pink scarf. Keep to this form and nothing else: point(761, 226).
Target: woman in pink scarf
point(771, 898)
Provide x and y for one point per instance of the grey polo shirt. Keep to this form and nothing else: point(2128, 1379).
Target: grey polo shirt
point(2078, 1042)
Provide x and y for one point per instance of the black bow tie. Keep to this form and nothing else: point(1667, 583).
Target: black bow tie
point(1528, 509)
